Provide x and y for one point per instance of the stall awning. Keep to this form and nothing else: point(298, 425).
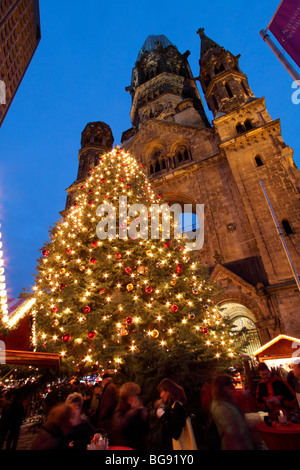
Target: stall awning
point(34, 359)
point(282, 346)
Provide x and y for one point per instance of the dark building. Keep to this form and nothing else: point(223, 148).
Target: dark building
point(20, 32)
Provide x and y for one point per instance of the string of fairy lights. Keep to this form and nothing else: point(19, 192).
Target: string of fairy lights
point(132, 300)
point(3, 291)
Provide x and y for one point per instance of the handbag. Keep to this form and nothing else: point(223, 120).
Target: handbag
point(186, 439)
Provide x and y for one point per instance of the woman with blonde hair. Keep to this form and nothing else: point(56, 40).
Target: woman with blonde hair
point(82, 431)
point(131, 421)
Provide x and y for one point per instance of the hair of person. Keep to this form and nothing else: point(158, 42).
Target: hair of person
point(176, 392)
point(96, 385)
point(106, 375)
point(75, 399)
point(60, 414)
point(262, 366)
point(127, 390)
point(217, 386)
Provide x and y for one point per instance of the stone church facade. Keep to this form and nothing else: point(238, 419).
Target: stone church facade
point(221, 165)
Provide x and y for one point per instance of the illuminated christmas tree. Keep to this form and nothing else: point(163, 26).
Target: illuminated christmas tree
point(115, 290)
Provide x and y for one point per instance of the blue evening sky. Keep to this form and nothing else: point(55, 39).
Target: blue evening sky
point(79, 74)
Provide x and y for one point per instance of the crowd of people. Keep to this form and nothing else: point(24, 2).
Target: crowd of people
point(118, 412)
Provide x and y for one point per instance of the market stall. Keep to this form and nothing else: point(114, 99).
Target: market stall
point(279, 353)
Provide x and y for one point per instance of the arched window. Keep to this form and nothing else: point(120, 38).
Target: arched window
point(244, 88)
point(287, 227)
point(182, 155)
point(189, 222)
point(258, 160)
point(248, 124)
point(219, 68)
point(157, 161)
point(228, 89)
point(239, 128)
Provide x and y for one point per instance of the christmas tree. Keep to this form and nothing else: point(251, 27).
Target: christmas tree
point(116, 290)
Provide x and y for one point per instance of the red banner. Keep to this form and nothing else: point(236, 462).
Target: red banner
point(286, 28)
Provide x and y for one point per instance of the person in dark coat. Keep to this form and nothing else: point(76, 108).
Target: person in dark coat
point(82, 431)
point(172, 411)
point(53, 433)
point(16, 415)
point(131, 421)
point(5, 417)
point(94, 405)
point(107, 404)
point(273, 393)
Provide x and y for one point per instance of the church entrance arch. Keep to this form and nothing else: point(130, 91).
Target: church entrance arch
point(243, 320)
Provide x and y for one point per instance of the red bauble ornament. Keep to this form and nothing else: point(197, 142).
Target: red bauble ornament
point(90, 170)
point(94, 243)
point(54, 309)
point(128, 320)
point(69, 251)
point(82, 188)
point(93, 260)
point(128, 185)
point(118, 255)
point(86, 309)
point(179, 268)
point(45, 252)
point(148, 289)
point(91, 203)
point(159, 196)
point(128, 270)
point(166, 244)
point(62, 286)
point(90, 191)
point(204, 331)
point(103, 180)
point(91, 334)
point(174, 308)
point(66, 338)
point(122, 179)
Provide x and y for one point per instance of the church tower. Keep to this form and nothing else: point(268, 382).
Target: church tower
point(96, 139)
point(221, 165)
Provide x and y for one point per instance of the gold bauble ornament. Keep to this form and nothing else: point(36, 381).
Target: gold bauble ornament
point(129, 287)
point(154, 333)
point(122, 331)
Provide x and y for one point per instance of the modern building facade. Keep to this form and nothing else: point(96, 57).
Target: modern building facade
point(20, 33)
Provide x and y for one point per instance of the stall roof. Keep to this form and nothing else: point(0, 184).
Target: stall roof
point(31, 358)
point(282, 346)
